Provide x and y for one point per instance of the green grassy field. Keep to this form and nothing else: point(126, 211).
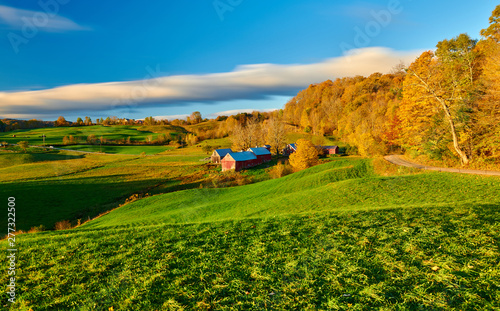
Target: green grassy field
point(54, 135)
point(134, 150)
point(333, 237)
point(59, 185)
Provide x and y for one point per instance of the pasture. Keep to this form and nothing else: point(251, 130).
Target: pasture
point(55, 135)
point(117, 149)
point(337, 236)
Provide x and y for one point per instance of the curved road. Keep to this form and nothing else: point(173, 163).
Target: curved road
point(395, 159)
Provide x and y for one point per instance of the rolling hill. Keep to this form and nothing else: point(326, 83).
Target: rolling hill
point(335, 236)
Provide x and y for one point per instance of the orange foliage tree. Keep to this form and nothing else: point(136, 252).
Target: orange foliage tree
point(305, 156)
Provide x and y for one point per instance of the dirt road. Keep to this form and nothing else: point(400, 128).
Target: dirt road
point(395, 159)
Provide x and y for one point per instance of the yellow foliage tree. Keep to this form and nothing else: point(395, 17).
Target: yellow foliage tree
point(305, 156)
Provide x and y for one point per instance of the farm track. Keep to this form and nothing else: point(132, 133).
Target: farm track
point(395, 159)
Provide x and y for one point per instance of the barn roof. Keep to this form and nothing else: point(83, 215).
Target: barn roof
point(259, 150)
point(294, 146)
point(329, 147)
point(222, 152)
point(242, 156)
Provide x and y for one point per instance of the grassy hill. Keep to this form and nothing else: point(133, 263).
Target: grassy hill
point(54, 135)
point(336, 236)
point(62, 185)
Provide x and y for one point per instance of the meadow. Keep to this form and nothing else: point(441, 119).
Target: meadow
point(129, 150)
point(338, 236)
point(70, 186)
point(54, 135)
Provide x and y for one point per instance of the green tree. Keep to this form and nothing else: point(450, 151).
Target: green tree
point(23, 145)
point(207, 148)
point(305, 156)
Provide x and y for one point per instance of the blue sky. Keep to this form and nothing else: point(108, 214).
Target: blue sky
point(169, 58)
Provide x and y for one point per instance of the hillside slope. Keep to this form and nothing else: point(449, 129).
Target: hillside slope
point(344, 184)
point(332, 237)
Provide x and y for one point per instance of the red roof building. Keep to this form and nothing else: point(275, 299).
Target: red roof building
point(262, 154)
point(331, 149)
point(238, 161)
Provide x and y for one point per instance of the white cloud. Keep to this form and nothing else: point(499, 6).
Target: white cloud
point(43, 21)
point(256, 81)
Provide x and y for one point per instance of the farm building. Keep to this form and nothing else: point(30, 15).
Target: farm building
point(268, 147)
point(262, 154)
point(238, 161)
point(219, 154)
point(331, 149)
point(289, 149)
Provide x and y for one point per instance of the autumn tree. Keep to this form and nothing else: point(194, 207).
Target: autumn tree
point(448, 81)
point(88, 121)
point(79, 121)
point(276, 135)
point(305, 156)
point(61, 121)
point(149, 121)
point(91, 139)
point(191, 139)
point(195, 117)
point(246, 136)
point(488, 110)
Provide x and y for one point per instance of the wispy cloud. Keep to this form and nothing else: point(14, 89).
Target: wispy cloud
point(258, 81)
point(44, 21)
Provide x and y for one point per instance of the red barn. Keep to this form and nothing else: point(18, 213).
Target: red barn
point(289, 149)
point(238, 161)
point(262, 154)
point(331, 149)
point(219, 154)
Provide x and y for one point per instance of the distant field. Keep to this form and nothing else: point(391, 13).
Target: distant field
point(54, 135)
point(120, 149)
point(61, 185)
point(333, 237)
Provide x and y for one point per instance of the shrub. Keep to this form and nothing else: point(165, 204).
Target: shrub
point(280, 170)
point(62, 225)
point(37, 229)
point(23, 145)
point(91, 139)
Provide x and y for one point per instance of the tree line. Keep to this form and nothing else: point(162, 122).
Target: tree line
point(445, 105)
